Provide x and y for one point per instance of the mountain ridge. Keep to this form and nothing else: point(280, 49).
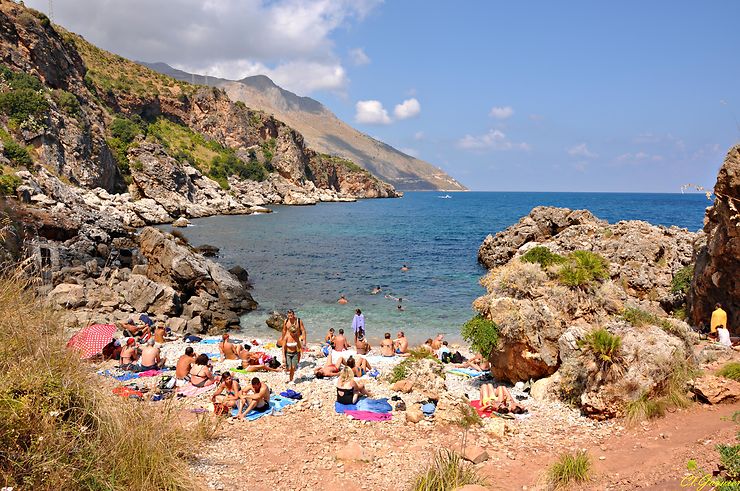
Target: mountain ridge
point(324, 131)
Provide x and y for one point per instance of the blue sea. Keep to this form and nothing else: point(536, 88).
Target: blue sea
point(304, 258)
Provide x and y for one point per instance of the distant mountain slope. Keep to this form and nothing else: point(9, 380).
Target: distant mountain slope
point(325, 132)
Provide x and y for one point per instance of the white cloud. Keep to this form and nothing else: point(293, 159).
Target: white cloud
point(218, 37)
point(493, 140)
point(581, 150)
point(419, 135)
point(504, 112)
point(638, 157)
point(359, 57)
point(371, 112)
point(667, 139)
point(407, 109)
point(411, 151)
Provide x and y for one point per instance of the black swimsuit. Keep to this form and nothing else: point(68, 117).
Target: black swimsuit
point(345, 396)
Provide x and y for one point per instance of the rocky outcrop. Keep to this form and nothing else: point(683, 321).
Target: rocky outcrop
point(542, 320)
point(717, 270)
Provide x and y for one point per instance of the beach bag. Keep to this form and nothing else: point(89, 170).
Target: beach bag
point(167, 382)
point(446, 357)
point(220, 409)
point(457, 357)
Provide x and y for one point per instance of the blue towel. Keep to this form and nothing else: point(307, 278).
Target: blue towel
point(373, 373)
point(365, 404)
point(209, 341)
point(466, 372)
point(192, 339)
point(276, 404)
point(428, 409)
point(291, 394)
point(126, 376)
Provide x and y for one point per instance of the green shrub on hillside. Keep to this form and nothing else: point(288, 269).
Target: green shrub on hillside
point(682, 279)
point(126, 130)
point(542, 256)
point(119, 149)
point(482, 334)
point(15, 152)
point(66, 101)
point(229, 164)
point(20, 80)
point(20, 104)
point(640, 318)
point(583, 267)
point(8, 184)
point(605, 346)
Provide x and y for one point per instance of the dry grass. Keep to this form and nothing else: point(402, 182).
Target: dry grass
point(446, 472)
point(569, 469)
point(516, 279)
point(58, 430)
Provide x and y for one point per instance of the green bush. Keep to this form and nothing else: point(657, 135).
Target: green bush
point(16, 153)
point(639, 318)
point(583, 267)
point(729, 456)
point(67, 102)
point(682, 279)
point(542, 256)
point(8, 184)
point(228, 164)
point(20, 104)
point(482, 334)
point(569, 469)
point(119, 149)
point(124, 129)
point(730, 370)
point(605, 346)
point(20, 80)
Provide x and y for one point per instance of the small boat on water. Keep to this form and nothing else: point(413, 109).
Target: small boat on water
point(446, 196)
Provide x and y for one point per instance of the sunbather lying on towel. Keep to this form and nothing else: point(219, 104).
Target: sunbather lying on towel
point(477, 362)
point(328, 370)
point(258, 361)
point(257, 397)
point(499, 399)
point(359, 366)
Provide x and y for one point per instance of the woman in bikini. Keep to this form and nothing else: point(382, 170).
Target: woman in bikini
point(230, 386)
point(348, 389)
point(200, 373)
point(293, 340)
point(499, 400)
point(359, 366)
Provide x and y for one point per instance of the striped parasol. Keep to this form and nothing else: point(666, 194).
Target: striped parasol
point(91, 340)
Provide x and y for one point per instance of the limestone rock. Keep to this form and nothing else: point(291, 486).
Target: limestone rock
point(414, 415)
point(275, 320)
point(716, 390)
point(495, 427)
point(718, 262)
point(403, 386)
point(68, 295)
point(475, 454)
point(181, 222)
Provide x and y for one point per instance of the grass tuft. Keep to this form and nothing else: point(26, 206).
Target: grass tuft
point(582, 268)
point(542, 256)
point(643, 409)
point(58, 429)
point(730, 370)
point(605, 346)
point(447, 471)
point(569, 469)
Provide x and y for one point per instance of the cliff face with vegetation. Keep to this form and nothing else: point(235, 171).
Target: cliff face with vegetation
point(93, 145)
point(594, 309)
point(717, 271)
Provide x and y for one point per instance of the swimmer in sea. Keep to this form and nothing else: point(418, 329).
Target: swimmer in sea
point(342, 300)
point(399, 306)
point(375, 290)
point(404, 268)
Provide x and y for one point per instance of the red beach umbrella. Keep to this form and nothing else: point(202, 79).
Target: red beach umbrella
point(91, 340)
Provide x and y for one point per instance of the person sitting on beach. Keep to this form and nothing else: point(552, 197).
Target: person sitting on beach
point(342, 300)
point(150, 357)
point(443, 353)
point(256, 398)
point(292, 349)
point(437, 342)
point(184, 364)
point(129, 355)
point(159, 333)
point(499, 400)
point(227, 392)
point(329, 338)
point(229, 351)
point(340, 341)
point(359, 366)
point(375, 290)
point(362, 346)
point(478, 362)
point(348, 389)
point(200, 373)
point(386, 345)
point(136, 329)
point(427, 345)
point(112, 350)
point(329, 369)
point(723, 336)
point(295, 326)
point(401, 344)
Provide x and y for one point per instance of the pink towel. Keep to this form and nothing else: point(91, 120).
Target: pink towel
point(190, 390)
point(150, 373)
point(368, 415)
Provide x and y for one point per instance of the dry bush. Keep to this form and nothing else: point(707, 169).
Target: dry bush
point(516, 279)
point(58, 429)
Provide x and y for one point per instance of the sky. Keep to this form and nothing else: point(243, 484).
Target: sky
point(628, 96)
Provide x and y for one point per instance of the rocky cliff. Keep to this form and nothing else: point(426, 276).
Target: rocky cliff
point(717, 270)
point(558, 277)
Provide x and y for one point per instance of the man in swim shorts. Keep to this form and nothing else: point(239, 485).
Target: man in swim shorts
point(257, 398)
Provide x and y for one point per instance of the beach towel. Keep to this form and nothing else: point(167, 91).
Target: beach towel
point(487, 413)
point(128, 392)
point(149, 373)
point(126, 376)
point(190, 390)
point(368, 415)
point(466, 372)
point(291, 394)
point(193, 339)
point(380, 406)
point(209, 341)
point(277, 403)
point(374, 373)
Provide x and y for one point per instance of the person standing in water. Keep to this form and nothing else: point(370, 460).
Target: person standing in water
point(358, 324)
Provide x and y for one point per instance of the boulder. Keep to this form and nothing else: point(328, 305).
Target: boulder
point(207, 250)
point(717, 266)
point(68, 295)
point(353, 451)
point(275, 320)
point(177, 324)
point(181, 222)
point(716, 390)
point(403, 386)
point(414, 415)
point(475, 454)
point(540, 389)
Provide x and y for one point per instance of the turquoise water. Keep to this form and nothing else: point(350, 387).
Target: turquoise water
point(304, 258)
